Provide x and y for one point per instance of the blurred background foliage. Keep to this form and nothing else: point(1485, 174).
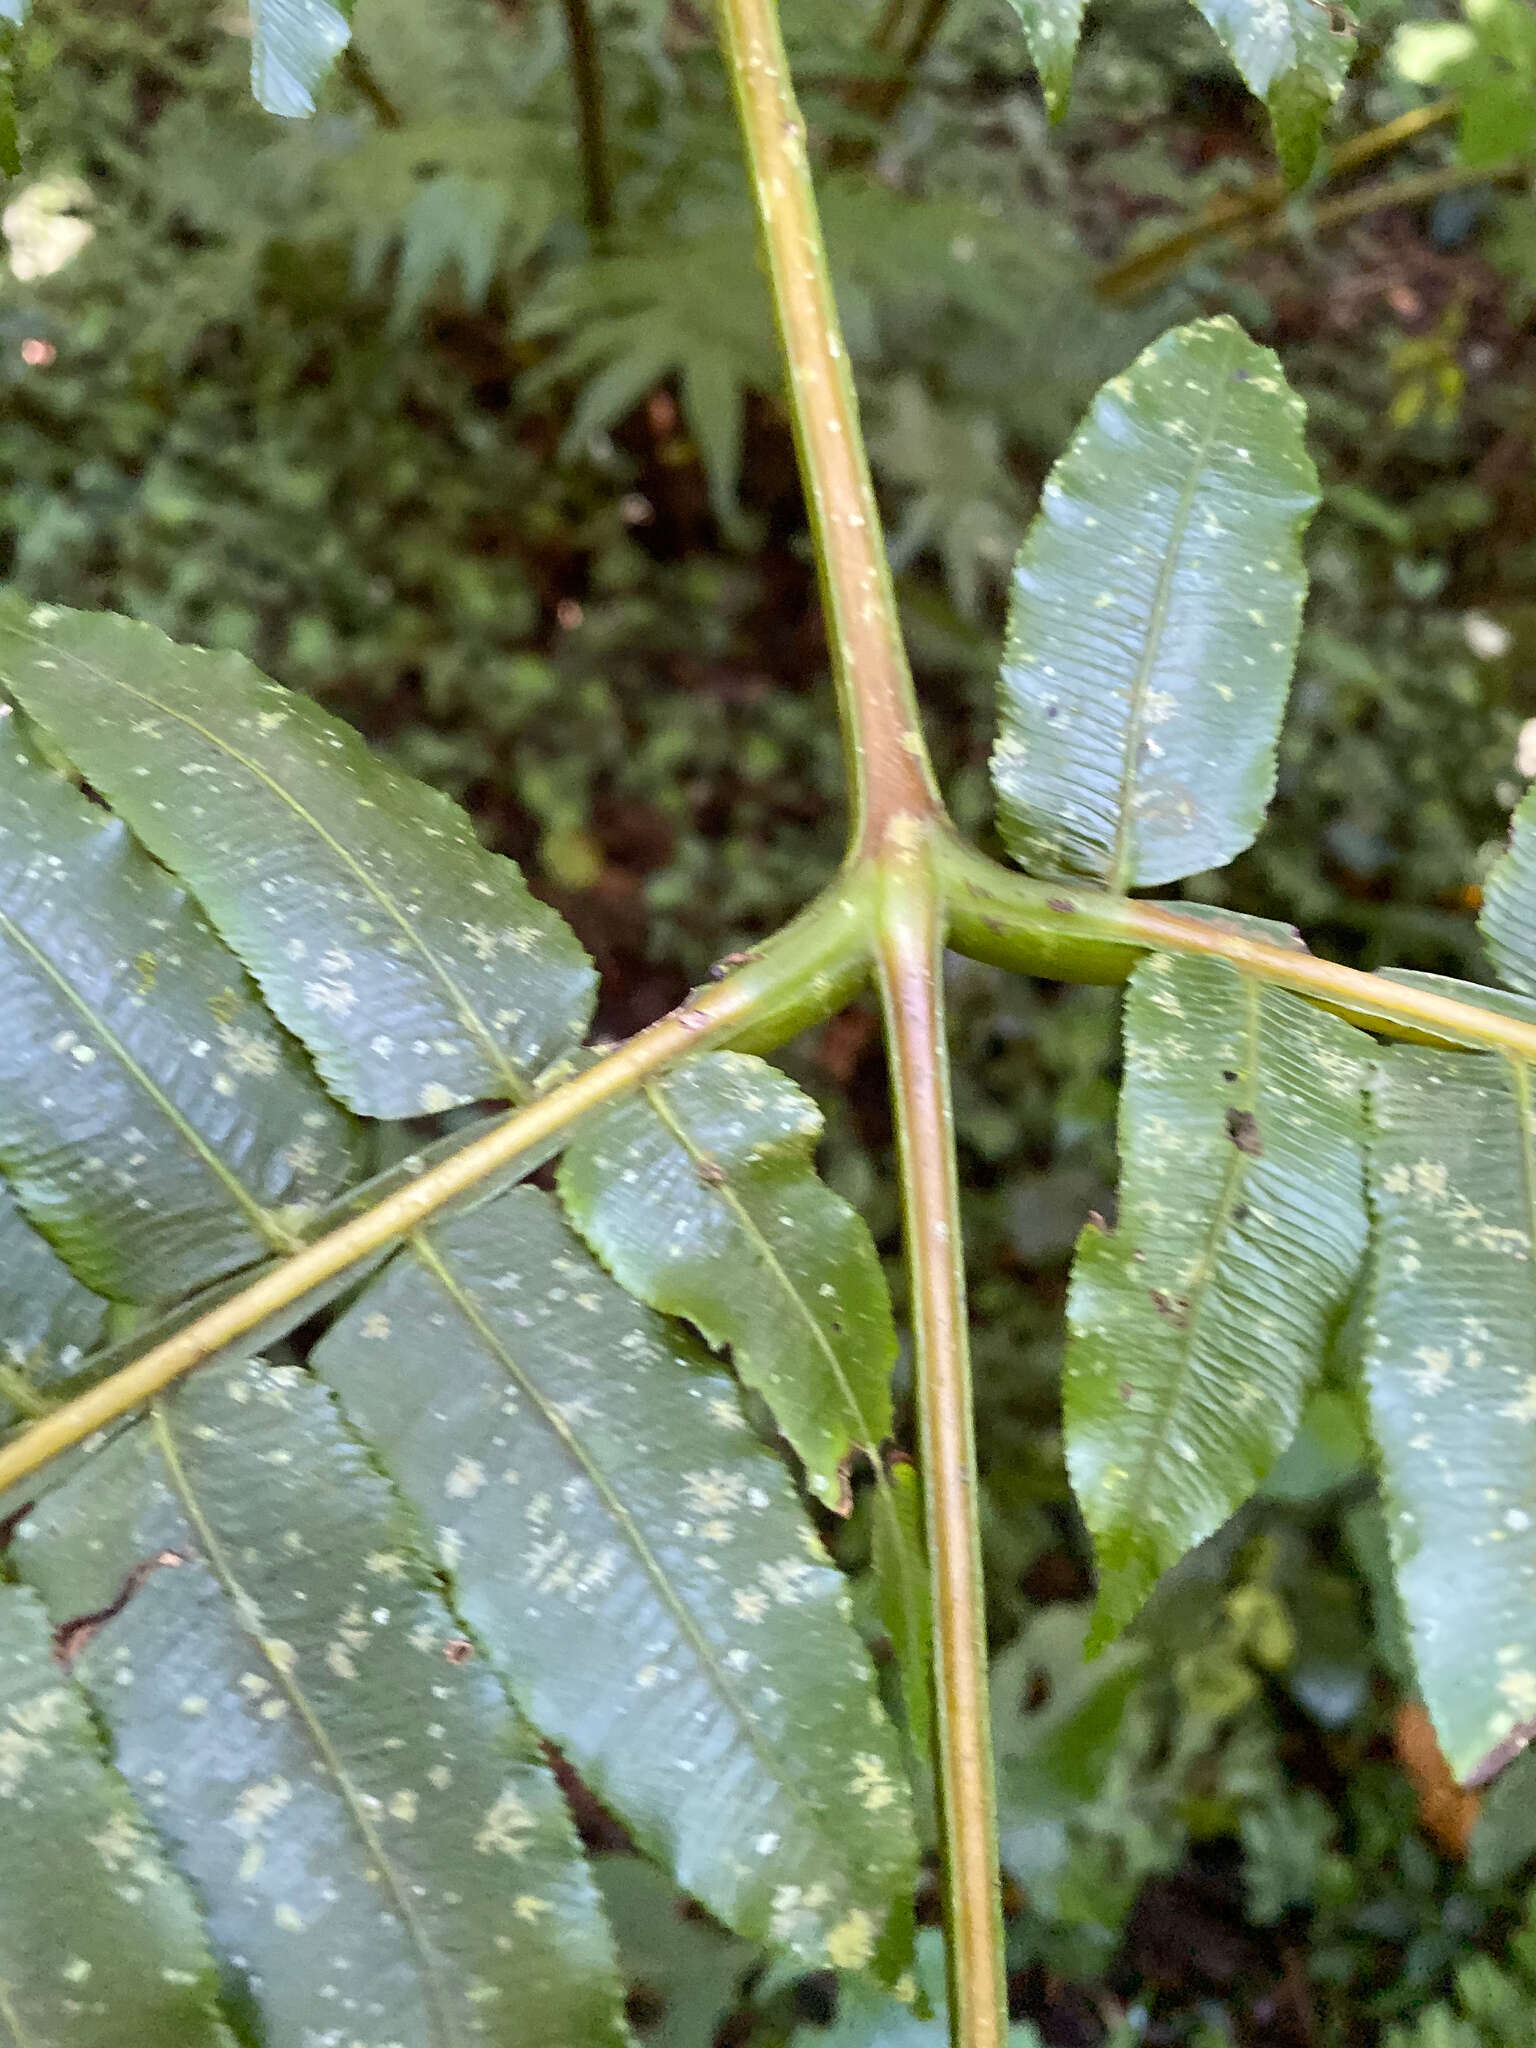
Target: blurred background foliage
point(370, 399)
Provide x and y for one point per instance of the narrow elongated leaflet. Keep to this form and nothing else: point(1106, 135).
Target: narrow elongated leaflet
point(1197, 1325)
point(1295, 55)
point(154, 1122)
point(637, 1567)
point(1451, 1372)
point(293, 45)
point(700, 1195)
point(99, 1940)
point(1508, 917)
point(1051, 28)
point(415, 966)
point(376, 1844)
point(1152, 630)
point(47, 1319)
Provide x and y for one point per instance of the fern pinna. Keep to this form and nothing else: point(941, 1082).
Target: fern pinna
point(474, 1477)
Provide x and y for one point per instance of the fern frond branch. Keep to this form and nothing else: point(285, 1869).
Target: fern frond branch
point(1227, 215)
point(889, 774)
point(1085, 934)
point(910, 973)
point(803, 975)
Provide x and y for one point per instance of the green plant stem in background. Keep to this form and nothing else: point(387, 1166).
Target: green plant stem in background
point(1387, 192)
point(591, 113)
point(886, 94)
point(910, 972)
point(1226, 216)
point(360, 75)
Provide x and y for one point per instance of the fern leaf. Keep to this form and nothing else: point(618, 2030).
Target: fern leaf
point(99, 1941)
point(1293, 57)
point(452, 222)
point(293, 45)
point(638, 1570)
point(700, 1195)
point(154, 1123)
point(47, 1319)
point(1451, 1373)
point(454, 193)
point(346, 1783)
point(1156, 605)
point(692, 308)
point(1198, 1324)
point(415, 966)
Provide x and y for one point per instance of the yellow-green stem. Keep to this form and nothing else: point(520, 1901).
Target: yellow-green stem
point(898, 817)
point(909, 967)
point(1078, 933)
point(889, 774)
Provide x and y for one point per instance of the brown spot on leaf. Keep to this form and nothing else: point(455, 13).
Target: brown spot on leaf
point(1243, 1130)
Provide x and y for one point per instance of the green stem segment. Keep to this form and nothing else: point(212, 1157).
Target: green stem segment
point(898, 822)
point(591, 114)
point(888, 770)
point(909, 965)
point(1085, 934)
